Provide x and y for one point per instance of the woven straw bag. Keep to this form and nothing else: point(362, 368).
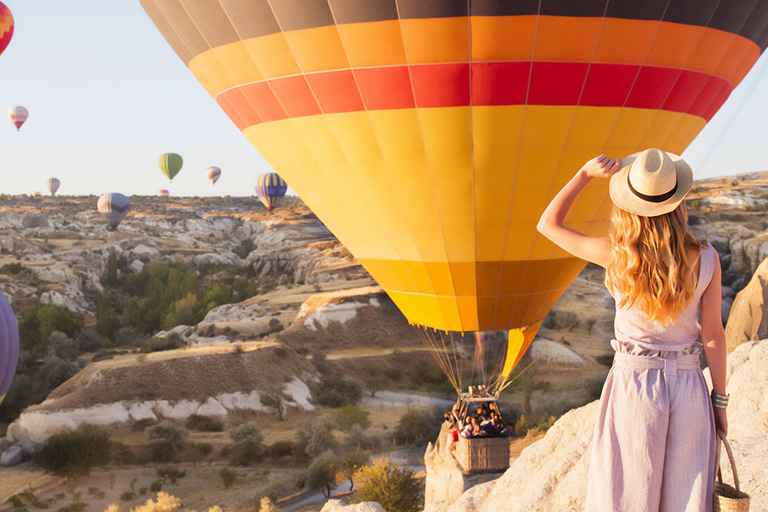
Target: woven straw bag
point(727, 498)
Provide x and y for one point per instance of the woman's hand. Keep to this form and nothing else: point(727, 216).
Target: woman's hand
point(721, 420)
point(602, 166)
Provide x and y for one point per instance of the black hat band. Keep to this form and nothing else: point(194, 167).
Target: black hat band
point(653, 199)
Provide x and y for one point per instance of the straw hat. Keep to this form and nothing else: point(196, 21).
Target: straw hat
point(651, 183)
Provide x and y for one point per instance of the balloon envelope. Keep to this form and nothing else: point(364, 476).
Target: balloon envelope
point(6, 27)
point(270, 188)
point(430, 135)
point(53, 185)
point(213, 174)
point(163, 193)
point(115, 207)
point(9, 346)
point(170, 164)
point(18, 116)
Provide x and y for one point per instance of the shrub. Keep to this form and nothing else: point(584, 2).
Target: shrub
point(350, 415)
point(204, 424)
point(394, 489)
point(96, 492)
point(227, 476)
point(72, 453)
point(336, 391)
point(321, 474)
point(127, 496)
point(173, 433)
point(156, 486)
point(247, 444)
point(171, 472)
point(416, 426)
point(266, 505)
point(280, 449)
point(522, 426)
point(245, 248)
point(696, 204)
point(560, 320)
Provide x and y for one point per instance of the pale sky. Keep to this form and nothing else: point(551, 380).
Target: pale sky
point(107, 96)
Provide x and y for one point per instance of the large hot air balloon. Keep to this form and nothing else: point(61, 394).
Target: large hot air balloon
point(9, 344)
point(430, 135)
point(115, 207)
point(170, 164)
point(213, 174)
point(163, 193)
point(53, 185)
point(18, 116)
point(6, 27)
point(270, 188)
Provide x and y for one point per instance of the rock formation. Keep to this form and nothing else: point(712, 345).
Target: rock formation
point(338, 506)
point(748, 319)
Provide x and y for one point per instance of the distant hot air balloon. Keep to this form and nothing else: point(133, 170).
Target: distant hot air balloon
point(115, 207)
point(170, 164)
point(6, 27)
point(270, 188)
point(53, 185)
point(430, 135)
point(163, 193)
point(9, 344)
point(18, 115)
point(213, 173)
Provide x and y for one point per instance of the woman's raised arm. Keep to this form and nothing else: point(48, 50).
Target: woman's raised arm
point(552, 222)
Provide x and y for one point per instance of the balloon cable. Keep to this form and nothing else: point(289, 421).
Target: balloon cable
point(727, 126)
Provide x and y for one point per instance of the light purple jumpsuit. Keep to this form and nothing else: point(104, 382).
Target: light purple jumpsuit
point(654, 444)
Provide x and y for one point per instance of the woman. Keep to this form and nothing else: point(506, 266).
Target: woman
point(654, 442)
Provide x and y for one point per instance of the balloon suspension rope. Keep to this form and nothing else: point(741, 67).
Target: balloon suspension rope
point(503, 386)
point(727, 127)
point(442, 354)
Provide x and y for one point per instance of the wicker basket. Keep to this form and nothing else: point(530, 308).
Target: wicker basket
point(728, 498)
point(480, 454)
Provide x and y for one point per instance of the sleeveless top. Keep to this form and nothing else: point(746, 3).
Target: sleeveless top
point(636, 334)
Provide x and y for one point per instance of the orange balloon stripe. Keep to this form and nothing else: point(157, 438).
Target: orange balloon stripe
point(387, 43)
point(501, 83)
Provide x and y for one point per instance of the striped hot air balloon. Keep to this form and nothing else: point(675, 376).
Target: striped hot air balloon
point(213, 174)
point(18, 116)
point(52, 184)
point(9, 346)
point(170, 164)
point(270, 188)
point(6, 27)
point(115, 207)
point(163, 193)
point(430, 135)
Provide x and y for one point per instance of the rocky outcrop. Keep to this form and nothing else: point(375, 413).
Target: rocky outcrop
point(551, 474)
point(32, 220)
point(211, 381)
point(339, 506)
point(748, 319)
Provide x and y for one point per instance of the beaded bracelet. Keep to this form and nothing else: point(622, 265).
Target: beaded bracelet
point(719, 401)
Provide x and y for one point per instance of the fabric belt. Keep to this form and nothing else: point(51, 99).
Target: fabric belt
point(669, 365)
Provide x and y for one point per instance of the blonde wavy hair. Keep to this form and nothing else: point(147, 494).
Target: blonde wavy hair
point(649, 266)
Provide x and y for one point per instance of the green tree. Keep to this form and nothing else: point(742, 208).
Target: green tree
point(321, 474)
point(272, 396)
point(107, 319)
point(113, 262)
point(315, 437)
point(350, 415)
point(349, 466)
point(37, 324)
point(396, 490)
point(247, 444)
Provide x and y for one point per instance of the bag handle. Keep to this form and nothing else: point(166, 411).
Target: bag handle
point(721, 437)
